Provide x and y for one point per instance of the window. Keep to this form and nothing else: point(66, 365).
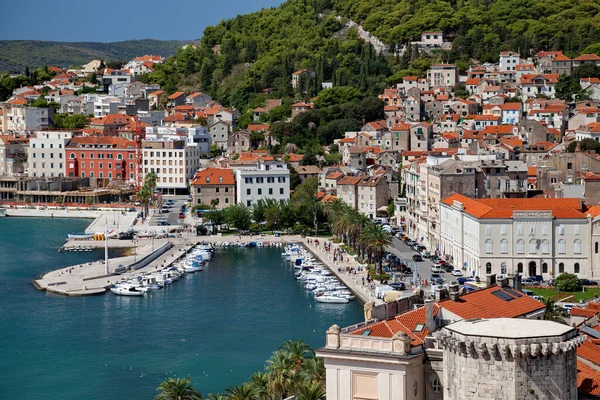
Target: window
point(101, 165)
point(488, 230)
point(545, 247)
point(545, 230)
point(280, 190)
point(270, 190)
point(576, 268)
point(503, 269)
point(531, 230)
point(520, 230)
point(248, 191)
point(489, 246)
point(488, 268)
point(532, 246)
point(248, 203)
point(520, 246)
point(561, 230)
point(226, 200)
point(596, 248)
point(520, 268)
point(436, 386)
point(576, 229)
point(577, 246)
point(259, 191)
point(504, 246)
point(545, 268)
point(562, 246)
point(503, 229)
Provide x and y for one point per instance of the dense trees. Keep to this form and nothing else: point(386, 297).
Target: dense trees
point(177, 389)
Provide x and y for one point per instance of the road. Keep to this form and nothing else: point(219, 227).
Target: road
point(172, 217)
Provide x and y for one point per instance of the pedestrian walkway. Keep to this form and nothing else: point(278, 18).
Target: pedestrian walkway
point(353, 281)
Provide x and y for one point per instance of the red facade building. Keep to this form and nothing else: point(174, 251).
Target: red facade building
point(101, 157)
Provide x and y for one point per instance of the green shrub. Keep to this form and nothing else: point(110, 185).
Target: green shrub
point(255, 227)
point(568, 283)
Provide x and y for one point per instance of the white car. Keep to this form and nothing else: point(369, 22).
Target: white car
point(457, 272)
point(436, 269)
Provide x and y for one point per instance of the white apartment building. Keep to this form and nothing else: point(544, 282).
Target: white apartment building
point(22, 118)
point(443, 75)
point(47, 153)
point(173, 161)
point(102, 105)
point(269, 180)
point(195, 136)
point(509, 60)
point(507, 236)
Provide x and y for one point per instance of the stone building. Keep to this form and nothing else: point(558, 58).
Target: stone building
point(565, 167)
point(213, 186)
point(372, 193)
point(239, 142)
point(347, 190)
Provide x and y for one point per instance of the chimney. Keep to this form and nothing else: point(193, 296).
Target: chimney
point(490, 279)
point(429, 318)
point(514, 281)
point(503, 282)
point(453, 291)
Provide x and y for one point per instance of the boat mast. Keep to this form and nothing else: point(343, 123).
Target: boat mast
point(106, 247)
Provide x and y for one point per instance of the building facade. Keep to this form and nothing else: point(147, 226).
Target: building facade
point(111, 158)
point(47, 153)
point(268, 180)
point(214, 186)
point(173, 161)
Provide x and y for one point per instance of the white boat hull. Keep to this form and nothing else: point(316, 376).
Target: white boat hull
point(331, 299)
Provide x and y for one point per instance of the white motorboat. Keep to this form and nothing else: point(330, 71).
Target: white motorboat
point(127, 290)
point(331, 299)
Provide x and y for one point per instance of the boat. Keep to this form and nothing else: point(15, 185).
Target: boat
point(80, 236)
point(2, 212)
point(127, 290)
point(331, 299)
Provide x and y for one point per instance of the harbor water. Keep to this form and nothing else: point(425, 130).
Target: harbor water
point(218, 326)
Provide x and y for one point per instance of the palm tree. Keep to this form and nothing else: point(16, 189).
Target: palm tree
point(314, 370)
point(376, 240)
point(282, 374)
point(217, 396)
point(310, 391)
point(177, 389)
point(260, 382)
point(242, 392)
point(298, 352)
point(553, 312)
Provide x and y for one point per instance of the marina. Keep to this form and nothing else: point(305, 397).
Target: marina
point(99, 346)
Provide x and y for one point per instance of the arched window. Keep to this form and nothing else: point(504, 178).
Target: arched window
point(544, 268)
point(545, 246)
point(82, 155)
point(520, 268)
point(415, 388)
point(73, 156)
point(503, 268)
point(520, 246)
point(561, 268)
point(562, 246)
point(436, 386)
point(576, 268)
point(532, 246)
point(504, 246)
point(488, 268)
point(119, 156)
point(489, 246)
point(577, 246)
point(596, 248)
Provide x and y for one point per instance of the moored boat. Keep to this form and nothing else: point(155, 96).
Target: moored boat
point(80, 236)
point(331, 299)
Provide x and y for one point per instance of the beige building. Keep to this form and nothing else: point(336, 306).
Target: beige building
point(47, 153)
point(214, 186)
point(13, 155)
point(308, 171)
point(372, 193)
point(347, 190)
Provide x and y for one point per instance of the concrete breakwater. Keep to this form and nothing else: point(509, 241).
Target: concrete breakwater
point(91, 278)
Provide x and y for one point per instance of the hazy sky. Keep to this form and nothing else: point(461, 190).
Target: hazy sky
point(110, 21)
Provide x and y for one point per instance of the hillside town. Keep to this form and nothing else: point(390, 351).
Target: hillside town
point(492, 173)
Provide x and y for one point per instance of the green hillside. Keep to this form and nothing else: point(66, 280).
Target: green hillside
point(15, 55)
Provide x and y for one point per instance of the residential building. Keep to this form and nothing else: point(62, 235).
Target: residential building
point(308, 171)
point(13, 155)
point(561, 65)
point(47, 153)
point(445, 75)
point(105, 157)
point(213, 186)
point(586, 59)
point(17, 118)
point(509, 61)
point(372, 194)
point(198, 99)
point(219, 134)
point(532, 237)
point(176, 99)
point(239, 142)
point(173, 161)
point(533, 85)
point(300, 107)
point(265, 180)
point(115, 77)
point(347, 190)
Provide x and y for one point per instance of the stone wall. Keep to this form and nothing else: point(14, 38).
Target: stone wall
point(509, 369)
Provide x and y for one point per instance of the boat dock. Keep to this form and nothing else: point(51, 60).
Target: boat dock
point(352, 281)
point(91, 278)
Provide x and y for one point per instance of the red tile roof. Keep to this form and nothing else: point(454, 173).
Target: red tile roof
point(531, 171)
point(350, 180)
point(176, 95)
point(588, 379)
point(587, 57)
point(590, 352)
point(563, 208)
point(258, 127)
point(214, 176)
point(112, 141)
point(528, 79)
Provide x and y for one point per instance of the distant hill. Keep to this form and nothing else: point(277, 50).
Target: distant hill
point(15, 55)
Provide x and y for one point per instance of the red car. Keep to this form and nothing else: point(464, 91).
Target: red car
point(181, 215)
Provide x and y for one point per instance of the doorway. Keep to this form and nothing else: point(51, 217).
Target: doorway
point(532, 269)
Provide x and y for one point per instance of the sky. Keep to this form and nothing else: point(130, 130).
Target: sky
point(111, 21)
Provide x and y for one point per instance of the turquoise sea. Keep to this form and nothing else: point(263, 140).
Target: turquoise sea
point(217, 326)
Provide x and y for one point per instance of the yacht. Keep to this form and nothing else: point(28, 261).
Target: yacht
point(127, 290)
point(326, 298)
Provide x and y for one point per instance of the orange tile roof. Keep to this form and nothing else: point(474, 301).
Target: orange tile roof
point(527, 79)
point(498, 130)
point(112, 119)
point(334, 175)
point(410, 78)
point(511, 106)
point(19, 101)
point(175, 95)
point(512, 141)
point(588, 379)
point(214, 176)
point(156, 93)
point(582, 312)
point(113, 141)
point(473, 81)
point(531, 171)
point(295, 157)
point(563, 208)
point(258, 127)
point(590, 177)
point(590, 352)
point(350, 180)
point(587, 57)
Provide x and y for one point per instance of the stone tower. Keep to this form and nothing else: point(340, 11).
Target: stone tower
point(509, 359)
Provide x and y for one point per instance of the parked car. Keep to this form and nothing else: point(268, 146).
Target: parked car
point(538, 278)
point(425, 254)
point(181, 215)
point(587, 282)
point(398, 285)
point(417, 258)
point(163, 223)
point(126, 235)
point(169, 202)
point(530, 282)
point(551, 282)
point(448, 267)
point(457, 272)
point(437, 269)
